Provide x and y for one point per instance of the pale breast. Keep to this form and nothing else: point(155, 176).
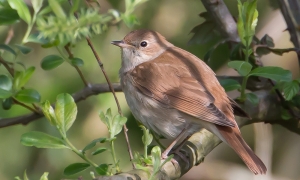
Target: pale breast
point(165, 121)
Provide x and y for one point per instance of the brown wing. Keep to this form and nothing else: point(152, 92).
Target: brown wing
point(175, 87)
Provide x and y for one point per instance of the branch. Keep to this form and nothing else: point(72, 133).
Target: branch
point(110, 87)
point(86, 92)
point(222, 17)
point(291, 14)
point(203, 142)
point(95, 89)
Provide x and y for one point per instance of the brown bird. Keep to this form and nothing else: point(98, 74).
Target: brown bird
point(175, 94)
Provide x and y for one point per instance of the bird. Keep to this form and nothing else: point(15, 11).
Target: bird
point(175, 94)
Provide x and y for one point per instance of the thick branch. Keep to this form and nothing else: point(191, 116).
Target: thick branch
point(222, 17)
point(203, 142)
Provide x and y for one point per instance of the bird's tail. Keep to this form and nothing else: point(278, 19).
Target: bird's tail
point(233, 138)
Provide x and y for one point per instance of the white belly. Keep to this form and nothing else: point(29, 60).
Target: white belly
point(165, 121)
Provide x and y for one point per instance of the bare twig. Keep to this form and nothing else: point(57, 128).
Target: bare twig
point(67, 48)
point(111, 89)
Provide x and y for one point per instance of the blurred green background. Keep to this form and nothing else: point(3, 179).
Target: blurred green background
point(174, 19)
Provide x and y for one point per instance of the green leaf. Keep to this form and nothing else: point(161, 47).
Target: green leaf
point(219, 56)
point(156, 159)
point(75, 168)
point(28, 96)
point(77, 62)
point(25, 177)
point(208, 54)
point(51, 62)
point(285, 114)
point(274, 73)
point(102, 169)
point(99, 150)
point(36, 38)
point(117, 124)
point(93, 144)
point(8, 16)
point(49, 112)
point(44, 176)
point(247, 21)
point(37, 4)
point(7, 103)
point(280, 52)
point(18, 76)
point(262, 50)
point(42, 140)
point(204, 33)
point(147, 136)
point(24, 49)
point(65, 111)
point(21, 78)
point(267, 40)
point(17, 178)
point(56, 8)
point(241, 23)
point(8, 48)
point(5, 83)
point(290, 89)
point(230, 84)
point(252, 98)
point(5, 94)
point(242, 67)
point(22, 9)
point(75, 6)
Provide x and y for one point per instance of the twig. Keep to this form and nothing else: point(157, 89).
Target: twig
point(25, 106)
point(5, 64)
point(67, 48)
point(116, 99)
point(9, 36)
point(81, 95)
point(111, 89)
point(290, 12)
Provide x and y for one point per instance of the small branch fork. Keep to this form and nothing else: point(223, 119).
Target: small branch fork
point(111, 89)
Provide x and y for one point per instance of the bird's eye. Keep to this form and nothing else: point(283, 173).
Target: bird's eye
point(143, 43)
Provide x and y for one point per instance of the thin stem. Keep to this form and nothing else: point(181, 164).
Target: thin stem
point(25, 106)
point(5, 64)
point(112, 146)
point(75, 150)
point(67, 48)
point(145, 151)
point(244, 84)
point(30, 26)
point(115, 97)
point(245, 78)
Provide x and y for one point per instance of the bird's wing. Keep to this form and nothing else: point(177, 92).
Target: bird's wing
point(174, 86)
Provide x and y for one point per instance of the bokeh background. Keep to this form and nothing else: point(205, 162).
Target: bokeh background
point(174, 19)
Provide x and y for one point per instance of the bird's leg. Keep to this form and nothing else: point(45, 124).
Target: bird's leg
point(164, 155)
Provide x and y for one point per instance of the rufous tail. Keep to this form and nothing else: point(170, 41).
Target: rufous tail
point(233, 138)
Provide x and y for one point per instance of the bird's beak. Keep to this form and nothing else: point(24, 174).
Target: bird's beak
point(121, 44)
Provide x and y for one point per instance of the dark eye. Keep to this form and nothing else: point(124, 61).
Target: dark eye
point(143, 43)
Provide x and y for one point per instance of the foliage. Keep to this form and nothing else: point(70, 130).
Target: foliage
point(25, 177)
